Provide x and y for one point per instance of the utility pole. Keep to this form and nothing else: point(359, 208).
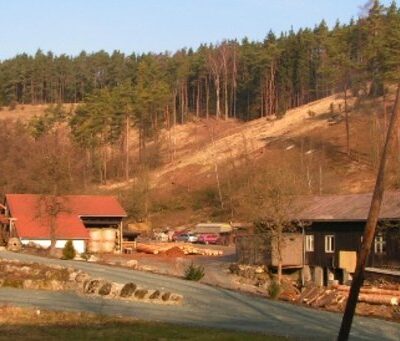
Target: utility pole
point(370, 226)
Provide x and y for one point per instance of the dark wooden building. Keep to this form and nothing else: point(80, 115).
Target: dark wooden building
point(332, 227)
point(335, 226)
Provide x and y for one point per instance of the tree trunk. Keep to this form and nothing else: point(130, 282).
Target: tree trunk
point(127, 149)
point(370, 227)
point(346, 115)
point(217, 91)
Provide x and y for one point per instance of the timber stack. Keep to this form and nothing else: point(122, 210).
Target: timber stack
point(187, 249)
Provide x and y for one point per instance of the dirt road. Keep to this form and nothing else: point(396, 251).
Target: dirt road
point(203, 306)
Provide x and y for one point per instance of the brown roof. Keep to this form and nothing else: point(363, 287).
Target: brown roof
point(347, 207)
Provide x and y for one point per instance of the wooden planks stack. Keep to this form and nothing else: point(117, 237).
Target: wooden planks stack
point(374, 295)
point(320, 297)
point(188, 249)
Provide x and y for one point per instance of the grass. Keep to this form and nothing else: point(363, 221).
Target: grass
point(22, 323)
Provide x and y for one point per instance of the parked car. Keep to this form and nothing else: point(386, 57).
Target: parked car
point(209, 238)
point(186, 237)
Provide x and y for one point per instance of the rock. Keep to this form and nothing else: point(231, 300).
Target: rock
point(177, 298)
point(92, 286)
point(105, 289)
point(156, 294)
point(128, 290)
point(141, 293)
point(166, 296)
point(133, 263)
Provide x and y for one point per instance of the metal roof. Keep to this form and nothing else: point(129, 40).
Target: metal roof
point(345, 207)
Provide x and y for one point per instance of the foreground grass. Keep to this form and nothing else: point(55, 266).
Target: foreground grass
point(29, 324)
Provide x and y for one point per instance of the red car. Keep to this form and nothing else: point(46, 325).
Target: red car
point(209, 238)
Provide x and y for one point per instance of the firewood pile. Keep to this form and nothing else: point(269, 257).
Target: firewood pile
point(319, 297)
point(187, 249)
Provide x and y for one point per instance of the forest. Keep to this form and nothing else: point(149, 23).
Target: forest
point(113, 96)
point(240, 79)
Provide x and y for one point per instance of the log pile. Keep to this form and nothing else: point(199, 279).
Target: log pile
point(187, 249)
point(337, 295)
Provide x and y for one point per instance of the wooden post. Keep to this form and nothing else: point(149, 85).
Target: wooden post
point(370, 226)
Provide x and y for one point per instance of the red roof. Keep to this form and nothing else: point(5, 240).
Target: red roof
point(33, 218)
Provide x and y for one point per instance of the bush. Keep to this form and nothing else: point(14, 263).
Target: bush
point(69, 250)
point(274, 289)
point(194, 272)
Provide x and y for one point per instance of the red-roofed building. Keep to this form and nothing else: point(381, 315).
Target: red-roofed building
point(93, 223)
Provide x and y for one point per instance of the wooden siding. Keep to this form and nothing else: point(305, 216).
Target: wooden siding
point(348, 238)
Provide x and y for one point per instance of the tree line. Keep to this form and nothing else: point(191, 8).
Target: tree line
point(232, 79)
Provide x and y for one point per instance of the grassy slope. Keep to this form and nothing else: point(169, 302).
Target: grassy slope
point(21, 324)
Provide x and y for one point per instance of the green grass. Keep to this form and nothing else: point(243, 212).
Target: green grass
point(126, 331)
point(25, 324)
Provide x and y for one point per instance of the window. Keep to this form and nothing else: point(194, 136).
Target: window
point(379, 244)
point(329, 244)
point(309, 243)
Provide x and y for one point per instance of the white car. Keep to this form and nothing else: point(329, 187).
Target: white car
point(186, 237)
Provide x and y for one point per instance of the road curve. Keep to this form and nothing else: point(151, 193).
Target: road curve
point(203, 306)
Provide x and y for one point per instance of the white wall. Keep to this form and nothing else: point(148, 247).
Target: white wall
point(79, 244)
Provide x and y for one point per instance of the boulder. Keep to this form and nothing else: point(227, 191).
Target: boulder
point(166, 296)
point(176, 298)
point(155, 295)
point(128, 289)
point(92, 286)
point(141, 293)
point(105, 289)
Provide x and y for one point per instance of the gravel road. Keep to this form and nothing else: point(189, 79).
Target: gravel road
point(203, 306)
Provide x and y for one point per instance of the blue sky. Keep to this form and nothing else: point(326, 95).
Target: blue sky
point(69, 26)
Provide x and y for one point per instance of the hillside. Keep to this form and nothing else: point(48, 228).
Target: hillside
point(191, 155)
point(307, 135)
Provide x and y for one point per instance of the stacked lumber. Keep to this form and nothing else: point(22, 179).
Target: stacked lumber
point(187, 249)
point(374, 295)
point(319, 297)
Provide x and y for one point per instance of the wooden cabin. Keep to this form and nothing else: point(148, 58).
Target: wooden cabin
point(331, 229)
point(335, 226)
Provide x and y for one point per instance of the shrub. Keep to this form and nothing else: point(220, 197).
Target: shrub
point(274, 289)
point(69, 250)
point(194, 272)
